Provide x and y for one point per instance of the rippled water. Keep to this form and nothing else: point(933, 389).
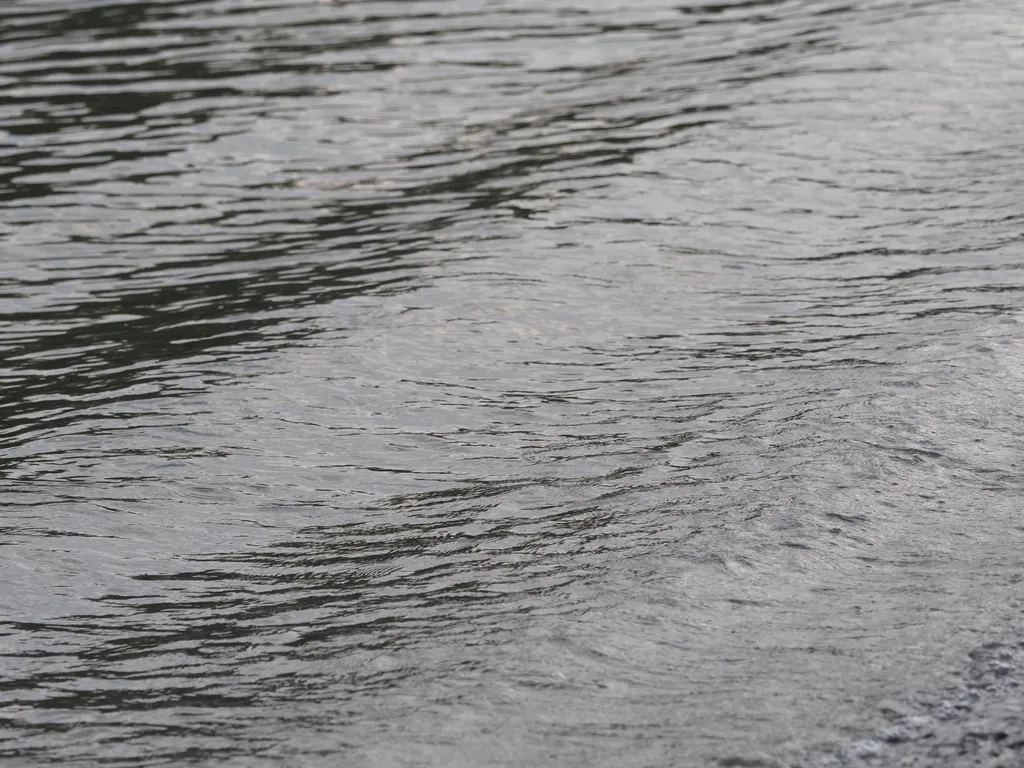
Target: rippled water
point(502, 383)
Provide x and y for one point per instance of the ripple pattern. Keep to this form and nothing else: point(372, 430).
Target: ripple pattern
point(506, 383)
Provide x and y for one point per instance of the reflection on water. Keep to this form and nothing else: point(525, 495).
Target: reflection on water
point(418, 383)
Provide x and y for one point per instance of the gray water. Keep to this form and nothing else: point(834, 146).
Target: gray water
point(510, 383)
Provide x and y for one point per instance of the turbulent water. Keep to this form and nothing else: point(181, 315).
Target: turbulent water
point(510, 383)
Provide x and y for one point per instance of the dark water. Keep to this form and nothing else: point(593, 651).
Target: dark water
point(472, 383)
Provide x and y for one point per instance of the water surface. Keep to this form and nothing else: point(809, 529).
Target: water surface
point(502, 383)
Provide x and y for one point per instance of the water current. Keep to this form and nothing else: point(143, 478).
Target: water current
point(505, 382)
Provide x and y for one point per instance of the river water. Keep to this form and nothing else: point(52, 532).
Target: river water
point(493, 383)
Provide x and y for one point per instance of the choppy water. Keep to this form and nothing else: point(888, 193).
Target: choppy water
point(502, 383)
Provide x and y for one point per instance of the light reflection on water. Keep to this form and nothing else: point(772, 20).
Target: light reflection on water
point(445, 383)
